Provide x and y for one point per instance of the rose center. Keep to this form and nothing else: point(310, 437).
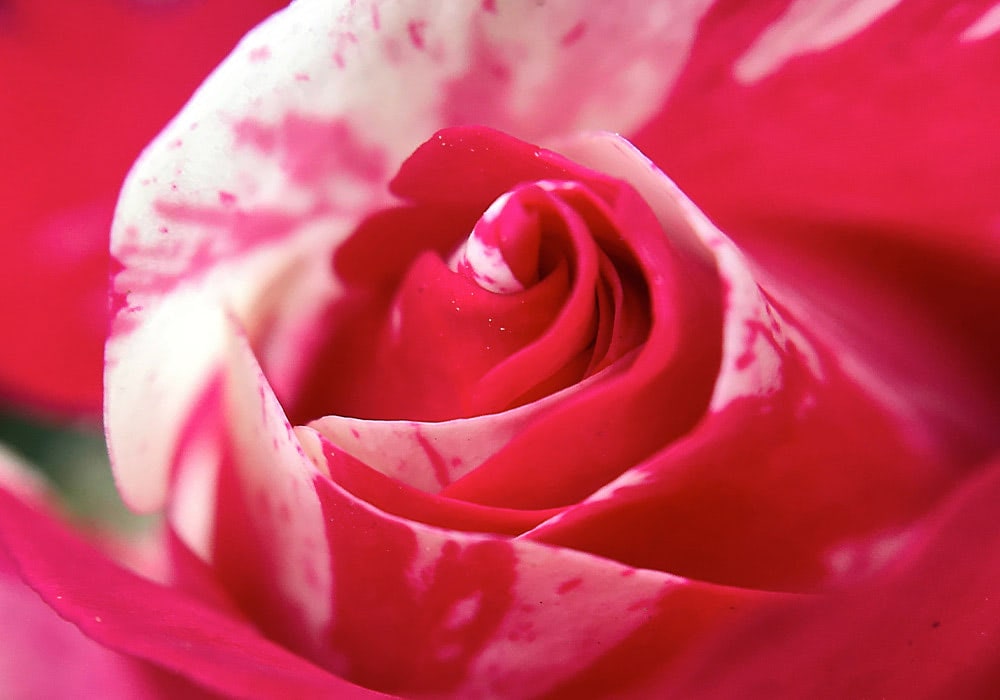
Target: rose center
point(542, 293)
point(501, 254)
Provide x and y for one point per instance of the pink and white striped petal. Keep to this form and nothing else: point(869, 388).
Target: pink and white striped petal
point(755, 338)
point(500, 617)
point(290, 143)
point(429, 456)
point(240, 432)
point(496, 616)
point(129, 621)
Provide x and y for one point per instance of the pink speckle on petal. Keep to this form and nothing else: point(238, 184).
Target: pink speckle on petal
point(261, 53)
point(574, 34)
point(746, 359)
point(484, 88)
point(227, 198)
point(298, 139)
point(499, 71)
point(440, 469)
point(302, 77)
point(490, 6)
point(249, 132)
point(416, 30)
point(567, 586)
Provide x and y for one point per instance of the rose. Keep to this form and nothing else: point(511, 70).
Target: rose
point(695, 494)
point(86, 85)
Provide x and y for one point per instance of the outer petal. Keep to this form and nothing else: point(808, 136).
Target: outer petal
point(928, 629)
point(138, 618)
point(85, 88)
point(850, 148)
point(233, 191)
point(861, 111)
point(35, 637)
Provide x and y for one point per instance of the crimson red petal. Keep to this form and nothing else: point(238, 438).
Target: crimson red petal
point(859, 168)
point(893, 122)
point(820, 455)
point(930, 629)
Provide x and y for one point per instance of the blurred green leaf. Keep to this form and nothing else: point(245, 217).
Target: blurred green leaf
point(74, 458)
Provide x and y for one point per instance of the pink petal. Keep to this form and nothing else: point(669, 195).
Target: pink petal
point(855, 112)
point(437, 342)
point(852, 154)
point(598, 433)
point(927, 628)
point(34, 634)
point(85, 88)
point(142, 620)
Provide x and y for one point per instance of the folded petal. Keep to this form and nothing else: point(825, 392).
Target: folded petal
point(36, 637)
point(927, 628)
point(137, 618)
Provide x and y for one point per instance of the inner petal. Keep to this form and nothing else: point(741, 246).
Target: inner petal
point(502, 253)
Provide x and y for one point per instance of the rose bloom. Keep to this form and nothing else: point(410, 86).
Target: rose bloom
point(446, 389)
